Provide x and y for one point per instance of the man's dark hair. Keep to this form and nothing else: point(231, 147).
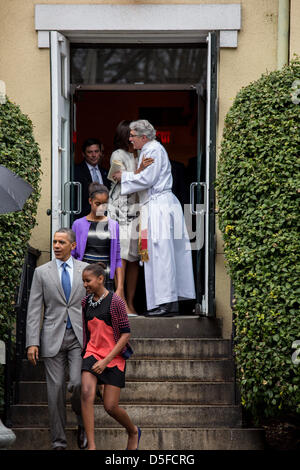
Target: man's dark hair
point(89, 142)
point(69, 232)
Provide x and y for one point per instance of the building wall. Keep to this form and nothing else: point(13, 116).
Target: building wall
point(256, 53)
point(294, 28)
point(26, 71)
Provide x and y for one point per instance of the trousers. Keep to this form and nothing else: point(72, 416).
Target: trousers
point(67, 362)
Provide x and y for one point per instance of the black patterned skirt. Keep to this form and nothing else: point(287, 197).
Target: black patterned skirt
point(110, 375)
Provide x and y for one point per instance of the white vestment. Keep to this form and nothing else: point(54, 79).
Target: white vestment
point(169, 272)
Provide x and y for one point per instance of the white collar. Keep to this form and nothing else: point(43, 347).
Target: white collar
point(147, 144)
point(69, 262)
point(91, 167)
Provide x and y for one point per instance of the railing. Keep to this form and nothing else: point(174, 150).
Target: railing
point(237, 396)
point(16, 353)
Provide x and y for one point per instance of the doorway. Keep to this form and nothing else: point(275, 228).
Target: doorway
point(174, 113)
point(175, 87)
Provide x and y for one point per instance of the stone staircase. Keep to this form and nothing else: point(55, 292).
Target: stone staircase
point(179, 390)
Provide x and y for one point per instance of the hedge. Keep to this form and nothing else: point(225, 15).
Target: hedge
point(258, 188)
point(20, 153)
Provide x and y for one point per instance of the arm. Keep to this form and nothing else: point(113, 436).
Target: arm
point(33, 354)
point(116, 155)
point(121, 330)
point(85, 331)
point(74, 252)
point(99, 366)
point(132, 183)
point(146, 161)
point(120, 282)
point(33, 321)
point(118, 253)
point(119, 272)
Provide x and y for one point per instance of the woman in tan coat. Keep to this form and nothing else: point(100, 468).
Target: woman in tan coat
point(125, 210)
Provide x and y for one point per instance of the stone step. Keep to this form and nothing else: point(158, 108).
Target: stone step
point(212, 393)
point(217, 370)
point(177, 348)
point(175, 327)
point(145, 415)
point(151, 439)
point(187, 348)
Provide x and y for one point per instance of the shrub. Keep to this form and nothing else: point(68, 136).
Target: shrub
point(20, 153)
point(257, 186)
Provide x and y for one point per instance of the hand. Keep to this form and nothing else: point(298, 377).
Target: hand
point(117, 176)
point(146, 161)
point(33, 354)
point(99, 366)
point(120, 293)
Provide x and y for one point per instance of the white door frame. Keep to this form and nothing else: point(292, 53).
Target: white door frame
point(138, 23)
point(130, 23)
point(60, 125)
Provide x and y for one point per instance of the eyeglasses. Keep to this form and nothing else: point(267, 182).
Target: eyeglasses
point(134, 135)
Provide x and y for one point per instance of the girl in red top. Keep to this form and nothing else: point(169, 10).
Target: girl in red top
point(106, 332)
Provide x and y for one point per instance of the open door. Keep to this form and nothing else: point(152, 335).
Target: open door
point(135, 100)
point(211, 136)
point(60, 91)
point(202, 192)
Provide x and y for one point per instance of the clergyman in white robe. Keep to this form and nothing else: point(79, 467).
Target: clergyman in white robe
point(169, 271)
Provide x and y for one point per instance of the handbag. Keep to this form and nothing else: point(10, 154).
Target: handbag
point(127, 352)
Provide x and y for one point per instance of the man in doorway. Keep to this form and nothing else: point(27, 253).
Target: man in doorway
point(164, 244)
point(55, 296)
point(90, 170)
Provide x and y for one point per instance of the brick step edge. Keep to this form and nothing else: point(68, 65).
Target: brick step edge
point(190, 438)
point(152, 415)
point(148, 392)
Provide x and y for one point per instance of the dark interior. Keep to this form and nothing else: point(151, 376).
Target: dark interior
point(177, 115)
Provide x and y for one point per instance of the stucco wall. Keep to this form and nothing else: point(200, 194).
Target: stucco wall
point(26, 71)
point(256, 53)
point(294, 28)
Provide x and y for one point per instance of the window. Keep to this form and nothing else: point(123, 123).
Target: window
point(95, 64)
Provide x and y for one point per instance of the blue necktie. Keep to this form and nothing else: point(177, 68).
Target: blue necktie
point(66, 284)
point(95, 176)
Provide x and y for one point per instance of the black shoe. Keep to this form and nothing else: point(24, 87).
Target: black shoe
point(171, 307)
point(145, 314)
point(159, 312)
point(81, 438)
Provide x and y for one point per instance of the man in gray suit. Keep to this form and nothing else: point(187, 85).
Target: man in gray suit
point(55, 296)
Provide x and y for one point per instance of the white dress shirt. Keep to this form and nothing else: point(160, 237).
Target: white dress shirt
point(92, 168)
point(70, 266)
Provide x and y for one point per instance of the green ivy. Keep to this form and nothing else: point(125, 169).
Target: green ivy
point(20, 153)
point(258, 197)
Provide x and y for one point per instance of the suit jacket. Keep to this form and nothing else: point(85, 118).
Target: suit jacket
point(47, 302)
point(82, 175)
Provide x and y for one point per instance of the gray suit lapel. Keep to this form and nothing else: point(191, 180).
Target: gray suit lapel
point(77, 278)
point(53, 272)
